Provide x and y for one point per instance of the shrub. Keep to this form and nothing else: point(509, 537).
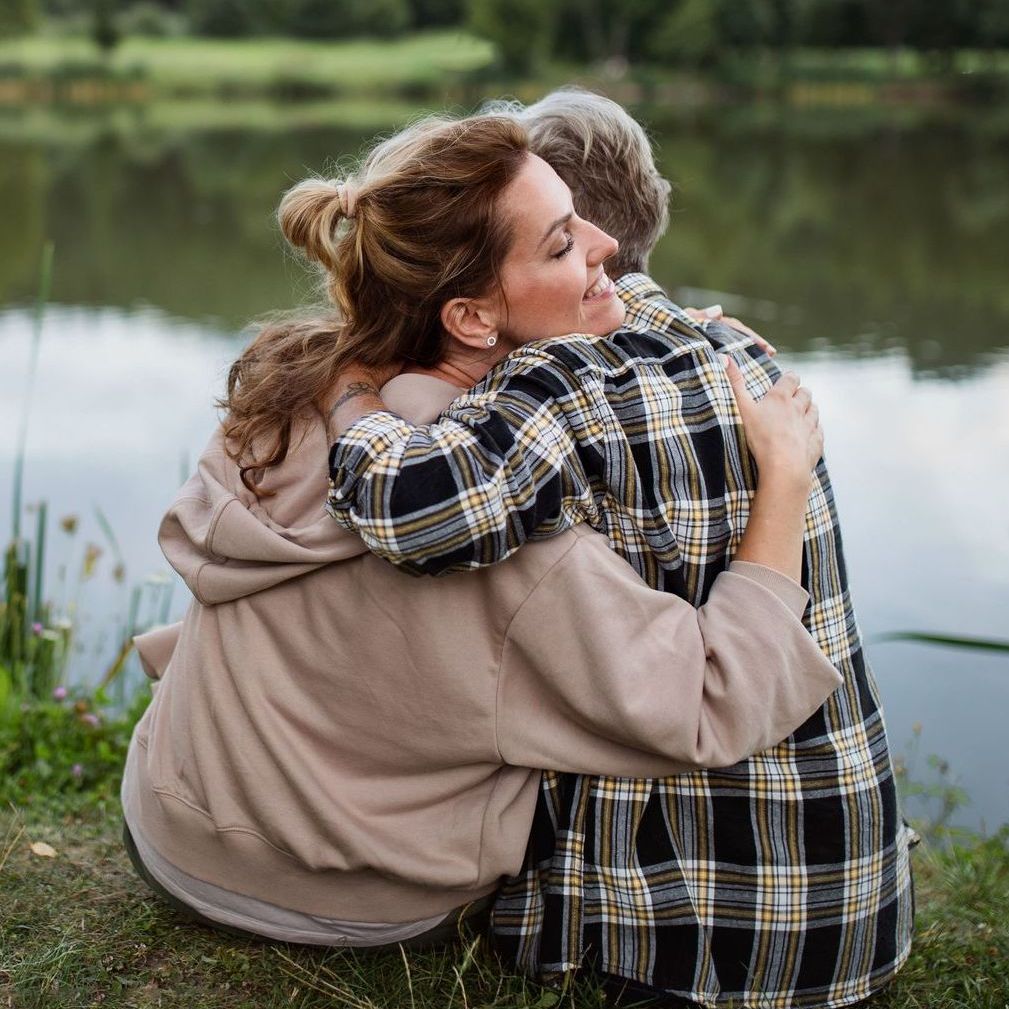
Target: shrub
point(521, 30)
point(222, 18)
point(150, 20)
point(64, 745)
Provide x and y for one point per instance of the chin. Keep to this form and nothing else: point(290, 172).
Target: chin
point(613, 319)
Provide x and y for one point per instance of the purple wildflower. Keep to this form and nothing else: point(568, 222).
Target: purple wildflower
point(60, 694)
point(91, 719)
point(77, 771)
point(37, 628)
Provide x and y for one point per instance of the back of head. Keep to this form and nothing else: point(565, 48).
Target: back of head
point(605, 157)
point(415, 226)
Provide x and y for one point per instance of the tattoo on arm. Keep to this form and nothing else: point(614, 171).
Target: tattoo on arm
point(354, 390)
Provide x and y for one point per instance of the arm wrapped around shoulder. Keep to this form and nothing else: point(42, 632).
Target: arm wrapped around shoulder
point(500, 467)
point(602, 675)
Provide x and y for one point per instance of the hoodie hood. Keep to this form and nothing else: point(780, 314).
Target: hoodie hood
point(226, 543)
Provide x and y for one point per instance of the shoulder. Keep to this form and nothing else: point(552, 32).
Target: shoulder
point(568, 564)
point(419, 398)
point(571, 565)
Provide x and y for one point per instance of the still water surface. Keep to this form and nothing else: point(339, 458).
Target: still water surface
point(872, 252)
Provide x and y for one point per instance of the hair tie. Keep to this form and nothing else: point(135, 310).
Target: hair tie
point(348, 198)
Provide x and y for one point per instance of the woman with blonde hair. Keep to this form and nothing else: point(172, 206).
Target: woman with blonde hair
point(337, 754)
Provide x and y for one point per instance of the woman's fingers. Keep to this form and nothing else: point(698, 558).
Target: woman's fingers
point(803, 397)
point(782, 427)
point(743, 399)
point(787, 384)
point(735, 376)
point(763, 344)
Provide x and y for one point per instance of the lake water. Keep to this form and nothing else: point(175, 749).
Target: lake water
point(872, 248)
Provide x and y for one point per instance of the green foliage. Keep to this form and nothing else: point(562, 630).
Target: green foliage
point(345, 18)
point(688, 35)
point(17, 16)
point(704, 33)
point(151, 20)
point(992, 22)
point(521, 30)
point(33, 644)
point(311, 19)
point(66, 744)
point(931, 792)
point(104, 30)
point(746, 23)
point(436, 13)
point(223, 18)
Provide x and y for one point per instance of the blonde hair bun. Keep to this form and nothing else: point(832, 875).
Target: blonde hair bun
point(309, 215)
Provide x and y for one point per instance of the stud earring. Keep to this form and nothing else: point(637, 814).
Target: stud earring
point(491, 341)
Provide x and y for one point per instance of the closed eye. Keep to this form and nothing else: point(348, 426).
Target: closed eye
point(569, 245)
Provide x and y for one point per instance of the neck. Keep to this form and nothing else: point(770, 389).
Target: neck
point(462, 368)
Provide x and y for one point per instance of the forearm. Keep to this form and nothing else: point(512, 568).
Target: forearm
point(464, 492)
point(602, 675)
point(354, 396)
point(774, 532)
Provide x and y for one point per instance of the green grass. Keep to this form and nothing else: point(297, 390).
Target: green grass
point(886, 65)
point(202, 66)
point(80, 930)
point(430, 65)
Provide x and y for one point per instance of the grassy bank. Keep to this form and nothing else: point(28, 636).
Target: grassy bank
point(144, 69)
point(78, 929)
point(455, 66)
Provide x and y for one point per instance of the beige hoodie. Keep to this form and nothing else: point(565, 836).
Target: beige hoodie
point(335, 737)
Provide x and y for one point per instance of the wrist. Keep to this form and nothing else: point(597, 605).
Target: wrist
point(784, 478)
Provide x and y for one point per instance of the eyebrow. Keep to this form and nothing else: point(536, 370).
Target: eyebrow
point(553, 227)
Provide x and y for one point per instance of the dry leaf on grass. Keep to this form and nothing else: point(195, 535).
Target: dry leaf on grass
point(42, 849)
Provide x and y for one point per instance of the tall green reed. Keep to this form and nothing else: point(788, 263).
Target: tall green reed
point(42, 299)
point(36, 634)
point(31, 651)
point(947, 640)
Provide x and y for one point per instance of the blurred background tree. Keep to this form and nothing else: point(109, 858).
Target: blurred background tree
point(18, 16)
point(104, 29)
point(343, 18)
point(522, 30)
point(692, 33)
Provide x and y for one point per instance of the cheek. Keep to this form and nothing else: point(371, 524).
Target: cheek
point(546, 301)
point(545, 297)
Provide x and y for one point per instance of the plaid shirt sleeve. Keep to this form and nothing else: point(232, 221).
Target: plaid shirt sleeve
point(499, 467)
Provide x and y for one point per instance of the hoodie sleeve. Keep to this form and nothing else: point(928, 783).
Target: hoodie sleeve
point(156, 647)
point(501, 467)
point(602, 675)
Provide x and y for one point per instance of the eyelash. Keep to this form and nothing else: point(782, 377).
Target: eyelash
point(567, 248)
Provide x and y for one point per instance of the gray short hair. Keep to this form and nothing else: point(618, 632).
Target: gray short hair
point(605, 157)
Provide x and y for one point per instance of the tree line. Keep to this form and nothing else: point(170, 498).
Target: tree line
point(693, 33)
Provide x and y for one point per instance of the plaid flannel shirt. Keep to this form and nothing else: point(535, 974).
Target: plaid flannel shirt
point(783, 881)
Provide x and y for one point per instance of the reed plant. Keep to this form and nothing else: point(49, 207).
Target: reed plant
point(57, 740)
point(33, 646)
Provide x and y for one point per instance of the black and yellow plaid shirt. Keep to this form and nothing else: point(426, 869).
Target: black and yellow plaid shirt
point(782, 881)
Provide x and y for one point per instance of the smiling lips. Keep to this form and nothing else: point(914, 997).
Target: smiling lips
point(602, 288)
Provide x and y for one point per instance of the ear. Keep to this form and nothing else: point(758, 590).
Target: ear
point(470, 321)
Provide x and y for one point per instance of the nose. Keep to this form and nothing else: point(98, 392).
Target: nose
point(601, 246)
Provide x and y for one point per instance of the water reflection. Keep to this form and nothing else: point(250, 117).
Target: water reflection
point(875, 256)
point(890, 236)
